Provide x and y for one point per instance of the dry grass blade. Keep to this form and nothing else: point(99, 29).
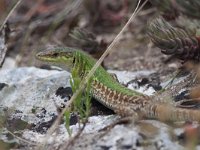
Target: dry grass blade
point(17, 137)
point(21, 139)
point(3, 48)
point(89, 75)
point(70, 142)
point(8, 16)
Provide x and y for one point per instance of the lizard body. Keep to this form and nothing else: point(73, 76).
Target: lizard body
point(109, 92)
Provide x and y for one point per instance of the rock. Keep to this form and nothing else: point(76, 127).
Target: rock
point(31, 96)
point(31, 90)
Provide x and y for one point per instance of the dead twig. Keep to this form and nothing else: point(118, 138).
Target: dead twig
point(71, 141)
point(3, 48)
point(9, 14)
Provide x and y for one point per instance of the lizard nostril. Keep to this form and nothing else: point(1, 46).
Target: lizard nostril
point(73, 60)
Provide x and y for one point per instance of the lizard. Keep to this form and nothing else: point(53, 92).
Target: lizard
point(109, 92)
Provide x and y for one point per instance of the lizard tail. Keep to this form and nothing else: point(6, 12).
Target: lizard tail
point(166, 112)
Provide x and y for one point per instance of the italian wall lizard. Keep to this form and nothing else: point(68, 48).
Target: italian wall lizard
point(109, 92)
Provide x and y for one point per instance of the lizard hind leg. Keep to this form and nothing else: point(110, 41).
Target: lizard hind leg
point(128, 113)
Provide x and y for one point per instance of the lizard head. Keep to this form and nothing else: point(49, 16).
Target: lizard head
point(57, 55)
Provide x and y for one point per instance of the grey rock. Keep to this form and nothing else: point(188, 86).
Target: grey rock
point(31, 89)
point(29, 94)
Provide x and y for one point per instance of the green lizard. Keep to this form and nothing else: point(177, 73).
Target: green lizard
point(109, 92)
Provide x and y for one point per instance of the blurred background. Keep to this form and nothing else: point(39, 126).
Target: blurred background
point(87, 24)
point(91, 25)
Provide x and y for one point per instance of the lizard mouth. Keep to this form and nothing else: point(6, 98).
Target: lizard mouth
point(44, 57)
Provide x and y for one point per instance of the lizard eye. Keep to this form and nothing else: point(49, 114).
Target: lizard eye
point(55, 55)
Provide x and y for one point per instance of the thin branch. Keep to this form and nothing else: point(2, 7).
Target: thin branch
point(9, 14)
point(72, 140)
point(21, 139)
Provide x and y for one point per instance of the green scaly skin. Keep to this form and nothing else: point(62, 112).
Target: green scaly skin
point(113, 95)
